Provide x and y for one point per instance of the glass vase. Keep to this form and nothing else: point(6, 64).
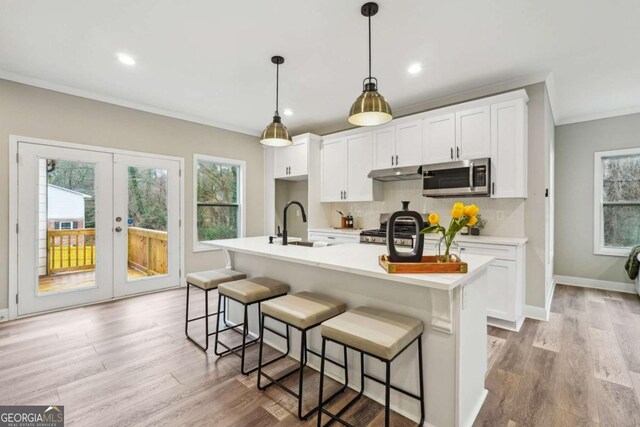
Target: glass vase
point(445, 253)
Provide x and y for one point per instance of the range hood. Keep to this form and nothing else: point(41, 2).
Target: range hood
point(397, 174)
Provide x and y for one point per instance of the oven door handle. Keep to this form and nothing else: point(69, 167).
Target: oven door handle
point(471, 186)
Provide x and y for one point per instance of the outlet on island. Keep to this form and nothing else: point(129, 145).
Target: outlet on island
point(500, 215)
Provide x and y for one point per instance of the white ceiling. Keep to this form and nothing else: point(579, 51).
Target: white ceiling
point(209, 61)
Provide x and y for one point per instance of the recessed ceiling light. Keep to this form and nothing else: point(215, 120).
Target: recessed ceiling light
point(126, 59)
point(288, 112)
point(414, 68)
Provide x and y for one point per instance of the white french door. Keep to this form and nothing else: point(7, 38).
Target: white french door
point(93, 225)
point(146, 241)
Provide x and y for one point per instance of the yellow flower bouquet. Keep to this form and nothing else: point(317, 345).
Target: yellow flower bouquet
point(461, 216)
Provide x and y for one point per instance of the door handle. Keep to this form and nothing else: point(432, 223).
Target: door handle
point(118, 229)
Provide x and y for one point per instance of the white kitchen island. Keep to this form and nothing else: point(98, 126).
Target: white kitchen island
point(452, 307)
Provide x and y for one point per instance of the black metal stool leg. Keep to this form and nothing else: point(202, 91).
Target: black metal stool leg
point(260, 351)
point(186, 316)
point(422, 411)
point(320, 409)
point(205, 317)
point(387, 396)
point(303, 362)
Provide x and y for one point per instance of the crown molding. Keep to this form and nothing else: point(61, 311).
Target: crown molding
point(598, 116)
point(18, 78)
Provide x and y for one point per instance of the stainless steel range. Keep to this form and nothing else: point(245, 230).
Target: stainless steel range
point(405, 232)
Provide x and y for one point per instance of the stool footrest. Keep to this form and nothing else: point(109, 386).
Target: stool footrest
point(393, 387)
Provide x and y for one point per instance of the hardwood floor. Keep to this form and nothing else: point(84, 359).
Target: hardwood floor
point(581, 368)
point(127, 363)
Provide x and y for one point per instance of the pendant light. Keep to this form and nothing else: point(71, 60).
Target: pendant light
point(370, 109)
point(276, 134)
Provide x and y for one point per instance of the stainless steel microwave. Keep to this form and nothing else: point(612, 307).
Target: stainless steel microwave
point(456, 179)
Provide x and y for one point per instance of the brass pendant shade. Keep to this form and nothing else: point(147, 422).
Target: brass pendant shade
point(276, 134)
point(370, 109)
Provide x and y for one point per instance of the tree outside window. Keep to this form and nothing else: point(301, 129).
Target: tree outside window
point(218, 189)
point(618, 198)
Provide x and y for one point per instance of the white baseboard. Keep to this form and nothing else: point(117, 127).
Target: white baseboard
point(4, 315)
point(596, 284)
point(536, 312)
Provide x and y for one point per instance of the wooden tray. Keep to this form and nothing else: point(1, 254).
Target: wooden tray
point(429, 264)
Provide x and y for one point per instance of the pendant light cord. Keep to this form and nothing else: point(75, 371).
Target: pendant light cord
point(277, 86)
point(369, 48)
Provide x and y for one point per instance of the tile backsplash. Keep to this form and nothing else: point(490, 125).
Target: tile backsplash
point(366, 214)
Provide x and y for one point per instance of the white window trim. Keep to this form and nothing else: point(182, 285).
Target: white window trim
point(598, 225)
point(242, 197)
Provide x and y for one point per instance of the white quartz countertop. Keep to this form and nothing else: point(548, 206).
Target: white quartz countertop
point(351, 258)
point(487, 240)
point(336, 230)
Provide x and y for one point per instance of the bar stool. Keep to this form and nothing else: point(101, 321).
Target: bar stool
point(246, 292)
point(380, 334)
point(302, 311)
point(207, 281)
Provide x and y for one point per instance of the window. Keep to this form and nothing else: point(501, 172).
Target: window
point(219, 191)
point(617, 201)
point(64, 225)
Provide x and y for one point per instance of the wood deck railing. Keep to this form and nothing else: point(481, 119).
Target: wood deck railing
point(75, 250)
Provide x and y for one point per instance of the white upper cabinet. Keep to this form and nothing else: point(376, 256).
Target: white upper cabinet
point(346, 162)
point(384, 147)
point(509, 149)
point(473, 133)
point(398, 145)
point(439, 139)
point(334, 170)
point(409, 144)
point(359, 164)
point(291, 161)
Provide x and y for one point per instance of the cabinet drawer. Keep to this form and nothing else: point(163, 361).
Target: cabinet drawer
point(315, 236)
point(497, 251)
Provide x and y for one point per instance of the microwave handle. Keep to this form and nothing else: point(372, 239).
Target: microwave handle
point(471, 176)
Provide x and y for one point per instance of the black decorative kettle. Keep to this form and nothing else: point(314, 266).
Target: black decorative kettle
point(416, 254)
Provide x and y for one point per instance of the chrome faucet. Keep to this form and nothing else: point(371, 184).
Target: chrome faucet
point(284, 220)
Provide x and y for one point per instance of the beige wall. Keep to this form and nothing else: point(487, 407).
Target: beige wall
point(40, 113)
point(575, 145)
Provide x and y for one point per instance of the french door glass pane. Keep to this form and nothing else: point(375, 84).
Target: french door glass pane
point(147, 222)
point(66, 226)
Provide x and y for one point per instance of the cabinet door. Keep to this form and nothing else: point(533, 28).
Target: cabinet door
point(508, 149)
point(334, 170)
point(384, 148)
point(359, 164)
point(298, 158)
point(501, 286)
point(439, 139)
point(409, 144)
point(473, 133)
point(281, 162)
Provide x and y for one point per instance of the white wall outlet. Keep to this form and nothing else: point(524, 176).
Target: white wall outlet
point(500, 215)
point(359, 213)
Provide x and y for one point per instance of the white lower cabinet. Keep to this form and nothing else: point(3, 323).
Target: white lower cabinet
point(333, 237)
point(505, 280)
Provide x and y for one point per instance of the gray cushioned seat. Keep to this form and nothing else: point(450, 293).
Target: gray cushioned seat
point(378, 332)
point(303, 309)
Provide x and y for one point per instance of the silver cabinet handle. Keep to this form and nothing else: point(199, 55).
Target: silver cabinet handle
point(458, 151)
point(118, 229)
point(396, 160)
point(451, 153)
point(392, 160)
point(345, 195)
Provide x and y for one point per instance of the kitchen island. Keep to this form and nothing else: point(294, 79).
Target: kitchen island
point(451, 306)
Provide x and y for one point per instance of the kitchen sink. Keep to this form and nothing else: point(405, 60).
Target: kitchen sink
point(309, 244)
